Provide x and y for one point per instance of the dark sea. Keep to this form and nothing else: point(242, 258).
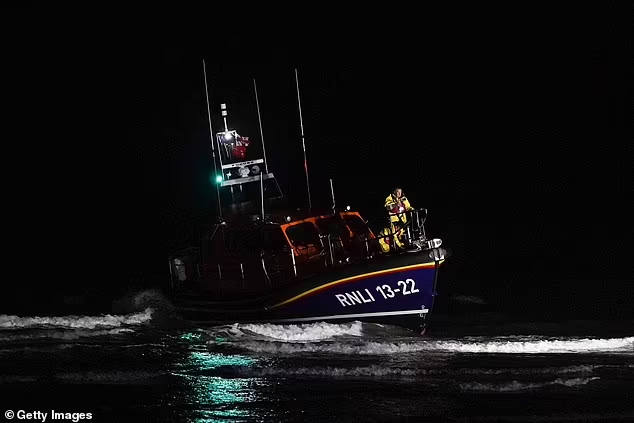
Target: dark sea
point(143, 366)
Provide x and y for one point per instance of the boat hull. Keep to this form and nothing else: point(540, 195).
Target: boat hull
point(394, 291)
point(404, 294)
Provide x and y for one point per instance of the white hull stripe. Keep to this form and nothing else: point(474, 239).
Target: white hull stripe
point(348, 316)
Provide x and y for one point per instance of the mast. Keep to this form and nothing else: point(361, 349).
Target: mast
point(301, 124)
point(262, 194)
point(211, 135)
point(332, 194)
point(266, 164)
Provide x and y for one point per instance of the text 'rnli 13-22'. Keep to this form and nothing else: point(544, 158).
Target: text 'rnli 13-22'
point(406, 287)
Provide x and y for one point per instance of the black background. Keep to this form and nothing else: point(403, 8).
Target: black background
point(512, 126)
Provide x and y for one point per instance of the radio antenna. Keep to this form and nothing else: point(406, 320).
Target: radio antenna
point(211, 135)
point(257, 103)
point(301, 125)
point(332, 193)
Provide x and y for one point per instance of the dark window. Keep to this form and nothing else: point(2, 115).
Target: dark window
point(242, 241)
point(333, 225)
point(274, 239)
point(356, 224)
point(303, 234)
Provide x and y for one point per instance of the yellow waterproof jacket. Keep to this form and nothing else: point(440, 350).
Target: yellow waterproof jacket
point(392, 205)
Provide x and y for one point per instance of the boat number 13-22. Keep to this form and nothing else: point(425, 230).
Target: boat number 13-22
point(387, 291)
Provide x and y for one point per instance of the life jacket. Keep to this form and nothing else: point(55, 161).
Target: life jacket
point(393, 203)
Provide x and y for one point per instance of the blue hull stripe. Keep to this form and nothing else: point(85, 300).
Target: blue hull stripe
point(356, 278)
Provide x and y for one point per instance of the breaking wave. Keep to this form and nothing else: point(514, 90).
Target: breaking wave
point(75, 322)
point(623, 345)
point(69, 328)
point(63, 335)
point(382, 371)
point(516, 386)
point(321, 337)
point(292, 333)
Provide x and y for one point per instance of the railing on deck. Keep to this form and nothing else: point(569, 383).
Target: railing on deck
point(413, 226)
point(252, 272)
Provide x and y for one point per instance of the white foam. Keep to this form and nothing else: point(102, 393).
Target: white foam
point(621, 345)
point(587, 368)
point(535, 346)
point(306, 332)
point(381, 371)
point(289, 333)
point(370, 371)
point(65, 335)
point(515, 386)
point(84, 322)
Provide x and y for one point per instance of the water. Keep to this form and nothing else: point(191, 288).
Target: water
point(140, 367)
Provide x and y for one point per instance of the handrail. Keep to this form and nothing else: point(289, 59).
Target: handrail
point(279, 269)
point(409, 222)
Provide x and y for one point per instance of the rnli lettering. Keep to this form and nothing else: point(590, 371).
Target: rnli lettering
point(355, 297)
point(406, 287)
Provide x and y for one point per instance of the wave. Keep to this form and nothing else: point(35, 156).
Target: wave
point(64, 335)
point(52, 348)
point(623, 345)
point(351, 338)
point(291, 333)
point(516, 386)
point(382, 371)
point(535, 345)
point(75, 322)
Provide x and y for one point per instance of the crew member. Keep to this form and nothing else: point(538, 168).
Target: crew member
point(395, 204)
point(388, 240)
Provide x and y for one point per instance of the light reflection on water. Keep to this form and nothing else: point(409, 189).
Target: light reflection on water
point(191, 337)
point(208, 361)
point(218, 398)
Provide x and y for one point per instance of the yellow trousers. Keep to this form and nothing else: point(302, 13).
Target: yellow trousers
point(387, 238)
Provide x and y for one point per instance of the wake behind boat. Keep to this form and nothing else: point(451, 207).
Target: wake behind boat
point(261, 262)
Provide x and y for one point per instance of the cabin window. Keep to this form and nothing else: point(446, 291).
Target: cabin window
point(238, 241)
point(303, 234)
point(356, 224)
point(274, 239)
point(333, 225)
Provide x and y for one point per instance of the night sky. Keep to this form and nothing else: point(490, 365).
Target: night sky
point(513, 127)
